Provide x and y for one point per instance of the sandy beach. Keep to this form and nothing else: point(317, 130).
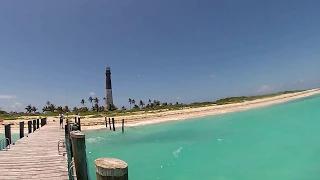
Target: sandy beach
point(145, 119)
point(187, 113)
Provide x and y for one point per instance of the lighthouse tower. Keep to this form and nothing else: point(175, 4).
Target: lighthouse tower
point(109, 98)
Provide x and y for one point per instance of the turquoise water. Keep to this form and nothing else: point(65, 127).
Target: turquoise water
point(14, 138)
point(279, 142)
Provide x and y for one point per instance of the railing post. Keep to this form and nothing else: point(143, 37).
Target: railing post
point(79, 154)
point(75, 119)
point(37, 123)
point(21, 124)
point(106, 121)
point(34, 125)
point(41, 122)
point(7, 132)
point(29, 127)
point(114, 128)
point(111, 169)
point(109, 124)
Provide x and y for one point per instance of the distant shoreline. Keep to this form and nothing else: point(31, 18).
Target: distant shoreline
point(184, 114)
point(146, 119)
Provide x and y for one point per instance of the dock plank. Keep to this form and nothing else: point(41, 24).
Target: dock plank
point(35, 156)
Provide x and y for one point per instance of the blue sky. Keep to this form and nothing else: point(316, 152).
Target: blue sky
point(170, 50)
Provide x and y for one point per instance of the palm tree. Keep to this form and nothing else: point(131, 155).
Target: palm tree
point(123, 108)
point(133, 102)
point(156, 103)
point(149, 101)
point(59, 109)
point(96, 107)
point(34, 109)
point(141, 103)
point(66, 109)
point(28, 108)
point(44, 109)
point(52, 107)
point(90, 100)
point(82, 102)
point(130, 102)
point(75, 110)
point(96, 100)
point(48, 103)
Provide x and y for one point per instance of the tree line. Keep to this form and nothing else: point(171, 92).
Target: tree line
point(140, 105)
point(95, 106)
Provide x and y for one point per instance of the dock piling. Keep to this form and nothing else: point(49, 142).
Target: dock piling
point(7, 132)
point(111, 169)
point(114, 128)
point(38, 124)
point(79, 154)
point(29, 127)
point(21, 124)
point(122, 125)
point(109, 124)
point(34, 125)
point(79, 122)
point(106, 121)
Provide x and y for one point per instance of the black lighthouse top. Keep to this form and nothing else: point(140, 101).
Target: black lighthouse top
point(108, 78)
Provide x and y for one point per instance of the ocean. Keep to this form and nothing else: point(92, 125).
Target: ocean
point(278, 142)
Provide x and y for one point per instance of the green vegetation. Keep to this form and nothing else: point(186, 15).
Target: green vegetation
point(97, 111)
point(240, 99)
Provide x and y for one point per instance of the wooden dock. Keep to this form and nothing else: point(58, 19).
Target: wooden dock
point(35, 157)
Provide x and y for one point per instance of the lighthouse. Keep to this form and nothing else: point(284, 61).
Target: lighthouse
point(109, 98)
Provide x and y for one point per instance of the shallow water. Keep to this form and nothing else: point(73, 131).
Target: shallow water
point(275, 142)
point(14, 138)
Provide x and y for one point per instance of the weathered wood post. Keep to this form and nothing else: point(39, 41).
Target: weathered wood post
point(7, 132)
point(68, 130)
point(21, 124)
point(122, 125)
point(44, 121)
point(79, 154)
point(75, 119)
point(114, 128)
point(41, 122)
point(34, 125)
point(38, 124)
point(109, 124)
point(106, 121)
point(111, 169)
point(29, 127)
point(79, 122)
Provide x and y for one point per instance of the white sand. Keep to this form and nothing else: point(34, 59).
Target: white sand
point(152, 118)
point(145, 119)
